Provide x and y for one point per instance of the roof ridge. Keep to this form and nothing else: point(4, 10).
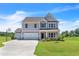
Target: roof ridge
point(48, 17)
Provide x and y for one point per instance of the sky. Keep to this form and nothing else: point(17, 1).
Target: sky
point(11, 14)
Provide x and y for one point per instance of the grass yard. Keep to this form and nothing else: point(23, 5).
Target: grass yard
point(70, 47)
point(3, 39)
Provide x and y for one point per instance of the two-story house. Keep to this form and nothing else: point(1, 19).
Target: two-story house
point(38, 28)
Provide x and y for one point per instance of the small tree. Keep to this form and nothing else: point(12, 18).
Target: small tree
point(77, 32)
point(7, 33)
point(71, 33)
point(65, 33)
point(61, 37)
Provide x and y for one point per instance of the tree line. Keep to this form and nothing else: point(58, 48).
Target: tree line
point(72, 33)
point(8, 34)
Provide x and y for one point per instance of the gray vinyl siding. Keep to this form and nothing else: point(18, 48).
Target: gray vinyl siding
point(31, 26)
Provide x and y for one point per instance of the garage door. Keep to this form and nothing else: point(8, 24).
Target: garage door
point(30, 35)
point(18, 35)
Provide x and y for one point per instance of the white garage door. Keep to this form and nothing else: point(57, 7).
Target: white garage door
point(30, 35)
point(18, 35)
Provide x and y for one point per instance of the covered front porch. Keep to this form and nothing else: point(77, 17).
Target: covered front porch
point(48, 34)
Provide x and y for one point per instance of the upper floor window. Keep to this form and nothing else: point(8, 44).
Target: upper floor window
point(43, 25)
point(26, 25)
point(51, 25)
point(35, 25)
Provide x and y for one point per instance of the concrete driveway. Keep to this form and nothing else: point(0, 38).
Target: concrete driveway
point(19, 48)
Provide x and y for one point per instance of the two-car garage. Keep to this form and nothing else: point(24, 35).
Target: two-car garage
point(30, 35)
point(24, 34)
point(27, 36)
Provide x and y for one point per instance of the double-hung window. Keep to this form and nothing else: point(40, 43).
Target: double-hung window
point(51, 35)
point(43, 25)
point(49, 25)
point(26, 25)
point(52, 25)
point(35, 25)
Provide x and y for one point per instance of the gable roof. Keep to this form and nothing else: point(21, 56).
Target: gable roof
point(33, 19)
point(18, 30)
point(48, 17)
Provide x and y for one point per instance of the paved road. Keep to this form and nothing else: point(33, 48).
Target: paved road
point(19, 48)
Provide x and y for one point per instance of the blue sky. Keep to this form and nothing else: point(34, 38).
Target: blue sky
point(11, 14)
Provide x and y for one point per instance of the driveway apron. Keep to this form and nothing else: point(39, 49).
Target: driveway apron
point(19, 48)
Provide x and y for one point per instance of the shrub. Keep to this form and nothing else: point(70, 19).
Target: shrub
point(60, 38)
point(1, 44)
point(12, 37)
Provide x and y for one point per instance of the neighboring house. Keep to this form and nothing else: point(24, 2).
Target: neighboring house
point(38, 28)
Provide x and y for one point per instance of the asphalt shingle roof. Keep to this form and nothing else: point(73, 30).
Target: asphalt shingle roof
point(48, 17)
point(36, 19)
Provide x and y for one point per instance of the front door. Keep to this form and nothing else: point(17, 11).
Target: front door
point(42, 35)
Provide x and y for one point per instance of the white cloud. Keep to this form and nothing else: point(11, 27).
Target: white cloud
point(12, 21)
point(68, 25)
point(65, 8)
point(18, 15)
point(12, 26)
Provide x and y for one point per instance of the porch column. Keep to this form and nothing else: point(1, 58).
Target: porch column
point(46, 34)
point(39, 35)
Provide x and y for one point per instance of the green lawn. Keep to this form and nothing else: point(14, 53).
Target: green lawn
point(70, 47)
point(3, 39)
